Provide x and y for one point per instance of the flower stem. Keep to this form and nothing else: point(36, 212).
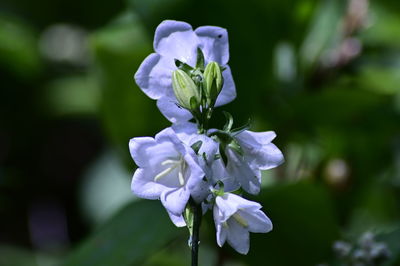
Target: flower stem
point(196, 229)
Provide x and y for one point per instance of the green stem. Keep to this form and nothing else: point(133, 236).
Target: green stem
point(197, 213)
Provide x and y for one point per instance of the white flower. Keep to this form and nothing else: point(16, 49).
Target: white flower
point(168, 170)
point(235, 217)
point(177, 40)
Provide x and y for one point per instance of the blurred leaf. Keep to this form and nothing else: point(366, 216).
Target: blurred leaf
point(126, 111)
point(105, 188)
point(384, 24)
point(323, 31)
point(138, 231)
point(18, 47)
point(304, 226)
point(73, 95)
point(391, 238)
point(13, 256)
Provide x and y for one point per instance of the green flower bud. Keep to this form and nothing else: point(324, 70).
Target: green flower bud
point(185, 90)
point(213, 81)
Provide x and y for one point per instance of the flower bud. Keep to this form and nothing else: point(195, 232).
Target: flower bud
point(213, 81)
point(185, 90)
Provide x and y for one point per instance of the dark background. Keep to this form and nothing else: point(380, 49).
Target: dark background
point(324, 75)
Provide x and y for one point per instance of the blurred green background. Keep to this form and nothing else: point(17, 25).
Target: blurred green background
point(325, 75)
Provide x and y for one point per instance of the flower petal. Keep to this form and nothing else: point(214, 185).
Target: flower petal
point(257, 221)
point(225, 207)
point(239, 169)
point(154, 76)
point(176, 40)
point(171, 111)
point(238, 237)
point(174, 200)
point(143, 186)
point(228, 92)
point(249, 138)
point(214, 43)
point(178, 220)
point(138, 148)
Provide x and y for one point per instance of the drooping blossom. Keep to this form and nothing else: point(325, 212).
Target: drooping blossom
point(258, 153)
point(168, 170)
point(177, 40)
point(235, 217)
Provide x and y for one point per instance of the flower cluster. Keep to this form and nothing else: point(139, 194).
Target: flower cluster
point(188, 162)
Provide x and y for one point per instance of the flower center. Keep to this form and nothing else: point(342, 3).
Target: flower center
point(240, 219)
point(173, 164)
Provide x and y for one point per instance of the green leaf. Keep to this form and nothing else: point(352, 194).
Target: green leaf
point(200, 59)
point(229, 121)
point(240, 129)
point(196, 146)
point(136, 232)
point(305, 226)
point(189, 216)
point(183, 66)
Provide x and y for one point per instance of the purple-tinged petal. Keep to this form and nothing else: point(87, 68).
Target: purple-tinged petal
point(185, 131)
point(238, 237)
point(174, 200)
point(178, 220)
point(154, 76)
point(226, 208)
point(196, 173)
point(169, 108)
point(138, 149)
point(240, 202)
point(214, 43)
point(176, 40)
point(269, 157)
point(257, 221)
point(241, 171)
point(228, 92)
point(255, 139)
point(143, 186)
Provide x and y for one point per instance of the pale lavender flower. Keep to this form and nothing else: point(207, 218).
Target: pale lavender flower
point(235, 217)
point(177, 40)
point(168, 170)
point(258, 153)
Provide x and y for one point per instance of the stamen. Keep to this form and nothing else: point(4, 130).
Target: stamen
point(240, 220)
point(169, 161)
point(164, 173)
point(181, 179)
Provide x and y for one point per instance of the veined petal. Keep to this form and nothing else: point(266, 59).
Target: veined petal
point(143, 186)
point(214, 43)
point(154, 76)
point(226, 208)
point(240, 202)
point(174, 200)
point(257, 221)
point(176, 40)
point(169, 108)
point(268, 157)
point(237, 167)
point(228, 92)
point(238, 237)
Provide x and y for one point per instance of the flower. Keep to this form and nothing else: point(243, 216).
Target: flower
point(235, 217)
point(253, 152)
point(177, 40)
point(168, 170)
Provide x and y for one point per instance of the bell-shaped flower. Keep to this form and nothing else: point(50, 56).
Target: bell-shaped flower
point(235, 217)
point(253, 153)
point(177, 40)
point(168, 170)
point(209, 158)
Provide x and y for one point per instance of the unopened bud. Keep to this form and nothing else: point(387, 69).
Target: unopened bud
point(185, 90)
point(213, 81)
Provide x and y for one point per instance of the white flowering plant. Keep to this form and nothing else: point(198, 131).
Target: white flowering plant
point(190, 167)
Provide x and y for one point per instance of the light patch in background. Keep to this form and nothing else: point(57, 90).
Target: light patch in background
point(337, 171)
point(65, 43)
point(106, 187)
point(285, 62)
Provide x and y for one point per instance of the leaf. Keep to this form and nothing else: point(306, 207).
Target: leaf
point(183, 66)
point(200, 59)
point(196, 146)
point(136, 232)
point(229, 121)
point(304, 226)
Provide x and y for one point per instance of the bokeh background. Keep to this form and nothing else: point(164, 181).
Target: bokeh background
point(325, 75)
